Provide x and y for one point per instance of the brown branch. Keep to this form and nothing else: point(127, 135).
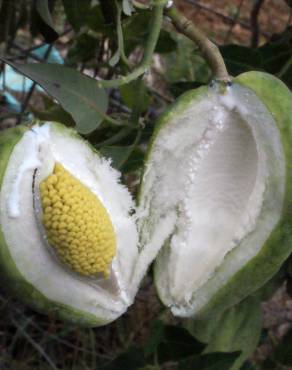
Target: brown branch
point(208, 49)
point(225, 17)
point(234, 22)
point(254, 22)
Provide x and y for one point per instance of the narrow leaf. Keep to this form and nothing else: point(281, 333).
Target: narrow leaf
point(76, 13)
point(42, 7)
point(129, 94)
point(177, 343)
point(155, 338)
point(56, 114)
point(117, 154)
point(135, 161)
point(238, 329)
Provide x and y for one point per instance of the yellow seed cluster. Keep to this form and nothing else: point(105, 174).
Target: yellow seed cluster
point(78, 226)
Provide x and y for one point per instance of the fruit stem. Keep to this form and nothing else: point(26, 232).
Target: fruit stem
point(208, 49)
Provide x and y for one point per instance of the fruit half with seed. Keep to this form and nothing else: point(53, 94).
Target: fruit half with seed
point(68, 242)
point(216, 195)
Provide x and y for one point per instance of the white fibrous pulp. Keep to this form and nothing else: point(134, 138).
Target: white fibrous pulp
point(206, 195)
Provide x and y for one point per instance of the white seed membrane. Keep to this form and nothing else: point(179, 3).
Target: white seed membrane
point(32, 159)
point(219, 167)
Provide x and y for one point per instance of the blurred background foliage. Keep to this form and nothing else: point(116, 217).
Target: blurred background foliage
point(48, 48)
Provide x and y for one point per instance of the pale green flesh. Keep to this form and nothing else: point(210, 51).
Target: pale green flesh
point(26, 244)
point(226, 210)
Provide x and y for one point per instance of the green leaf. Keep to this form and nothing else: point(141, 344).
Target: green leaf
point(239, 59)
point(178, 88)
point(84, 48)
point(117, 154)
point(42, 7)
point(272, 285)
point(171, 343)
point(237, 329)
point(155, 338)
point(135, 161)
point(277, 56)
point(136, 29)
point(77, 13)
point(165, 44)
point(41, 21)
point(108, 10)
point(95, 21)
point(283, 352)
point(177, 343)
point(77, 93)
point(133, 359)
point(211, 361)
point(274, 57)
point(185, 64)
point(129, 94)
point(56, 114)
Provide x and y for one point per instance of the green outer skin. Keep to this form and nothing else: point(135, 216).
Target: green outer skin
point(12, 278)
point(254, 274)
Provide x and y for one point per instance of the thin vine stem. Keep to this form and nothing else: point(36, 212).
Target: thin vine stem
point(116, 138)
point(285, 68)
point(121, 47)
point(138, 106)
point(110, 120)
point(208, 49)
point(145, 63)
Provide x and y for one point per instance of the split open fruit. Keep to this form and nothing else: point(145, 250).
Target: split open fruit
point(69, 244)
point(216, 194)
point(215, 202)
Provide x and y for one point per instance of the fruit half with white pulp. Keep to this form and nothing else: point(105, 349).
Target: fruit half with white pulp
point(68, 242)
point(216, 195)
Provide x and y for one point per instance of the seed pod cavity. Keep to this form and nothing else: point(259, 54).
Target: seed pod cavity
point(216, 171)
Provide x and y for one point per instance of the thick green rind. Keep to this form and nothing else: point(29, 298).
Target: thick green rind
point(12, 280)
point(278, 100)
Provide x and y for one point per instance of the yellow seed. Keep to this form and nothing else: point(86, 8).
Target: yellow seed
point(77, 224)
